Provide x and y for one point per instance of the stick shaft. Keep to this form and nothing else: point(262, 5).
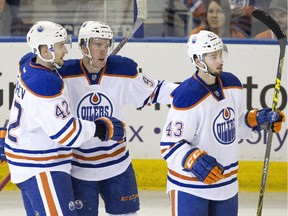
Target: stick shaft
point(278, 31)
point(135, 27)
point(141, 16)
point(5, 181)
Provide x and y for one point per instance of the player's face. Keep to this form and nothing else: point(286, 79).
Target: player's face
point(99, 49)
point(214, 62)
point(215, 16)
point(280, 16)
point(60, 51)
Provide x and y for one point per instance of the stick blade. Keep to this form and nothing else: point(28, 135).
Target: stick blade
point(142, 9)
point(270, 22)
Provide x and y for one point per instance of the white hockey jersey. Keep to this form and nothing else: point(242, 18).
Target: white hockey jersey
point(209, 120)
point(105, 94)
point(41, 128)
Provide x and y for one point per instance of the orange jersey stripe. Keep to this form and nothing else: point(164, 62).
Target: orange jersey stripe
point(48, 194)
point(70, 133)
point(173, 202)
point(99, 157)
point(61, 156)
point(3, 133)
point(196, 179)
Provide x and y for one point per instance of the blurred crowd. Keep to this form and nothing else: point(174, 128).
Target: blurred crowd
point(233, 18)
point(227, 18)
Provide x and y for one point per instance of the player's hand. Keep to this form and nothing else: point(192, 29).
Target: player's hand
point(109, 128)
point(3, 158)
point(260, 119)
point(203, 166)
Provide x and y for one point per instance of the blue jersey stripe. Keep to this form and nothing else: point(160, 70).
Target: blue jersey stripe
point(36, 151)
point(173, 150)
point(96, 149)
point(39, 165)
point(201, 186)
point(56, 136)
point(231, 165)
point(157, 92)
point(76, 137)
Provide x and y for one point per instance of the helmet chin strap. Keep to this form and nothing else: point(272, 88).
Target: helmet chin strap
point(205, 69)
point(91, 60)
point(91, 64)
point(56, 65)
point(52, 60)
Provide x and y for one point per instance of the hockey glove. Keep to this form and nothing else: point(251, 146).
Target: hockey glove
point(3, 158)
point(109, 128)
point(260, 119)
point(203, 166)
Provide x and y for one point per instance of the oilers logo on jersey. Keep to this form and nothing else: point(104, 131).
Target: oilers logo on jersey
point(94, 105)
point(224, 126)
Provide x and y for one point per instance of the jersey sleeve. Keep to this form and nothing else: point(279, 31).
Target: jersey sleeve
point(145, 91)
point(55, 118)
point(178, 136)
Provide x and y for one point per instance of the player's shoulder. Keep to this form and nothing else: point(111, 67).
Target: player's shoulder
point(39, 80)
point(188, 94)
point(230, 80)
point(121, 66)
point(71, 67)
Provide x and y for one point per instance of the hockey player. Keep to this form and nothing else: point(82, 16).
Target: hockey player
point(101, 85)
point(42, 128)
point(201, 133)
point(3, 132)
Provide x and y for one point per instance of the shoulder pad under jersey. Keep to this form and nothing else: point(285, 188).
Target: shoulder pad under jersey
point(188, 94)
point(41, 81)
point(70, 67)
point(121, 66)
point(26, 59)
point(230, 80)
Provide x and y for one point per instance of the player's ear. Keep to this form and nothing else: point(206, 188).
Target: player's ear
point(197, 61)
point(44, 52)
point(84, 49)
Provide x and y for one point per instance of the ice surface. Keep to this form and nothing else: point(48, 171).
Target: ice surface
point(154, 203)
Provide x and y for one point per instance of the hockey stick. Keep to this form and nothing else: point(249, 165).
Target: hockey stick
point(279, 33)
point(5, 181)
point(141, 16)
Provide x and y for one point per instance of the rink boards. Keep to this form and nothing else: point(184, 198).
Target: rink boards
point(167, 59)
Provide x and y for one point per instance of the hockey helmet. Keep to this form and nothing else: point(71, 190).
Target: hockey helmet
point(202, 43)
point(46, 33)
point(94, 29)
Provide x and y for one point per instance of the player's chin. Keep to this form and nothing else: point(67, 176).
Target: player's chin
point(217, 73)
point(60, 63)
point(220, 72)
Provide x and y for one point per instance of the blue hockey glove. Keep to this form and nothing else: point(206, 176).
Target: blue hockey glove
point(203, 166)
point(260, 119)
point(3, 158)
point(109, 128)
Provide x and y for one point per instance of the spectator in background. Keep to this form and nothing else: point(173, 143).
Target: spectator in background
point(18, 27)
point(197, 8)
point(14, 7)
point(5, 18)
point(218, 20)
point(241, 13)
point(278, 10)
